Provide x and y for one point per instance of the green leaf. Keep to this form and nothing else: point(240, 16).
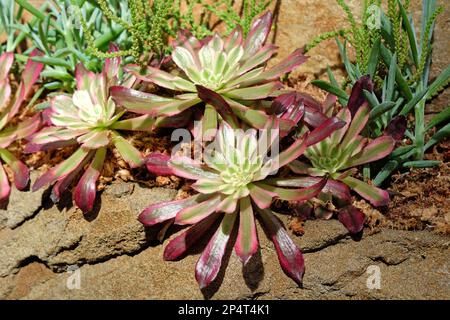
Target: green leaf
point(402, 83)
point(130, 154)
point(438, 136)
point(381, 109)
point(335, 84)
point(376, 196)
point(391, 79)
point(53, 61)
point(422, 164)
point(439, 118)
point(439, 83)
point(348, 65)
point(247, 240)
point(411, 33)
point(373, 58)
point(338, 92)
point(385, 172)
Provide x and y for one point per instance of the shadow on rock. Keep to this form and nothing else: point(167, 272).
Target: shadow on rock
point(253, 271)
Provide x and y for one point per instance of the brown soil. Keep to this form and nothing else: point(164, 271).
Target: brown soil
point(422, 200)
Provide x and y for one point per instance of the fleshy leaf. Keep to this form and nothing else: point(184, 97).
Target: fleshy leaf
point(163, 211)
point(5, 188)
point(247, 240)
point(289, 255)
point(396, 128)
point(375, 150)
point(293, 152)
point(158, 163)
point(62, 169)
point(130, 154)
point(295, 194)
point(374, 195)
point(357, 98)
point(20, 170)
point(197, 212)
point(262, 197)
point(147, 103)
point(351, 218)
point(209, 263)
point(222, 107)
point(161, 78)
point(179, 246)
point(189, 169)
point(86, 188)
point(323, 131)
point(358, 123)
point(258, 34)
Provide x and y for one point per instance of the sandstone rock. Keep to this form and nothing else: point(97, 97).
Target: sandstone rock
point(413, 265)
point(39, 239)
point(68, 237)
point(22, 205)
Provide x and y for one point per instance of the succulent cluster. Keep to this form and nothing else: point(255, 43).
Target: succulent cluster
point(261, 143)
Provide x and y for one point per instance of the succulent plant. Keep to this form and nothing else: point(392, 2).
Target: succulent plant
point(232, 185)
point(234, 68)
point(9, 109)
point(88, 118)
point(334, 158)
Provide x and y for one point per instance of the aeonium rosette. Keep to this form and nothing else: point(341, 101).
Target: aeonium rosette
point(233, 189)
point(233, 67)
point(336, 157)
point(9, 108)
point(91, 119)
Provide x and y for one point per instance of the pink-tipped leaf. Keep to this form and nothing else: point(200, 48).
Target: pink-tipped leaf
point(375, 150)
point(262, 197)
point(158, 163)
point(357, 98)
point(374, 195)
point(289, 255)
point(208, 265)
point(218, 102)
point(163, 211)
point(295, 194)
point(247, 240)
point(178, 247)
point(258, 34)
point(62, 169)
point(324, 130)
point(351, 218)
point(198, 212)
point(5, 188)
point(129, 153)
point(19, 169)
point(86, 188)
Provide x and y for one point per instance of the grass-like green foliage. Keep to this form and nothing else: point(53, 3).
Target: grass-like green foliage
point(150, 25)
point(10, 106)
point(73, 31)
point(398, 60)
point(55, 30)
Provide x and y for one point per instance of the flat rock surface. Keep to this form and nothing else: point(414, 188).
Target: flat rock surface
point(114, 257)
